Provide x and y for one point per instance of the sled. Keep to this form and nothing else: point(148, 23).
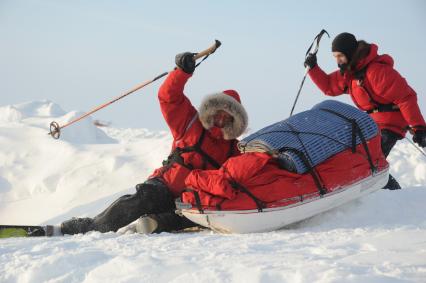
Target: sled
point(270, 219)
point(318, 160)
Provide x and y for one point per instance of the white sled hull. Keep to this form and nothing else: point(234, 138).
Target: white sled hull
point(252, 221)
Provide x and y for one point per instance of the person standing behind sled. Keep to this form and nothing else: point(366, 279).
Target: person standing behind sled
point(202, 139)
point(375, 87)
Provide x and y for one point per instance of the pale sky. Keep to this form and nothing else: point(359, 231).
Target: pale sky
point(81, 53)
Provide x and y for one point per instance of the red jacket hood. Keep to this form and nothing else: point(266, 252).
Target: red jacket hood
point(374, 57)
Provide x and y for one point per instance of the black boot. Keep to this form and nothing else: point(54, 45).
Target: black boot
point(77, 226)
point(392, 184)
point(163, 222)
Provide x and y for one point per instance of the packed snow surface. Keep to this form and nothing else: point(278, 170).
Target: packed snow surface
point(379, 238)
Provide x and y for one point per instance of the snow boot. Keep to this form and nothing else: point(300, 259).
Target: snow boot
point(146, 225)
point(392, 184)
point(77, 226)
point(163, 222)
point(142, 225)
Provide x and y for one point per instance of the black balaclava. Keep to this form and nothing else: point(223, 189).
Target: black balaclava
point(347, 44)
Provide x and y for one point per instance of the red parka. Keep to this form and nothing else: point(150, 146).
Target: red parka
point(385, 86)
point(186, 129)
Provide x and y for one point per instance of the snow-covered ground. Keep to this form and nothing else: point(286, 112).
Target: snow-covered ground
point(379, 238)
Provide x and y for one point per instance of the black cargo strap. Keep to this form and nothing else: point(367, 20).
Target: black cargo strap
point(219, 205)
point(320, 186)
point(197, 199)
point(240, 188)
point(232, 148)
point(384, 108)
point(176, 155)
point(356, 131)
point(304, 156)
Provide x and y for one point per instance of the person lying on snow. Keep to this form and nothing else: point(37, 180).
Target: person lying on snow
point(202, 139)
point(375, 87)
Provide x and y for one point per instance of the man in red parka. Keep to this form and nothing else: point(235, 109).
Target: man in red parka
point(202, 139)
point(375, 87)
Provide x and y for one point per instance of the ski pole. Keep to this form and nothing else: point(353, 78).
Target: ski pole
point(55, 128)
point(316, 41)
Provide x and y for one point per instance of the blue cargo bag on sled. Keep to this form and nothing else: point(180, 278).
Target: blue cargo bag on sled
point(308, 138)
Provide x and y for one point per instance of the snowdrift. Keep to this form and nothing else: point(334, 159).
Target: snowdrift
point(45, 180)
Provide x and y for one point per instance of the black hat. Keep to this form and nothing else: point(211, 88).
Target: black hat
point(345, 43)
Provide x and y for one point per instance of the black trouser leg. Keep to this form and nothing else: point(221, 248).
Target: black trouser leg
point(148, 199)
point(389, 140)
point(151, 197)
point(121, 212)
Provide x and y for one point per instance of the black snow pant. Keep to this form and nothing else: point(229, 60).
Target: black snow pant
point(389, 139)
point(151, 198)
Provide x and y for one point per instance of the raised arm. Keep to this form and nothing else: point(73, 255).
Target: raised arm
point(175, 106)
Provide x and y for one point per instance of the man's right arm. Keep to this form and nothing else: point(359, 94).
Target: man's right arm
point(332, 84)
point(176, 108)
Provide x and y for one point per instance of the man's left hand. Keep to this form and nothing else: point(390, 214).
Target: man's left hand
point(419, 136)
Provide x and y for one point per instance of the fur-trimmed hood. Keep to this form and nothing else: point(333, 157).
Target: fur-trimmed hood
point(229, 101)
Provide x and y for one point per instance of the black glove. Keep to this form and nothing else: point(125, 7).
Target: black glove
point(419, 137)
point(186, 62)
point(311, 60)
